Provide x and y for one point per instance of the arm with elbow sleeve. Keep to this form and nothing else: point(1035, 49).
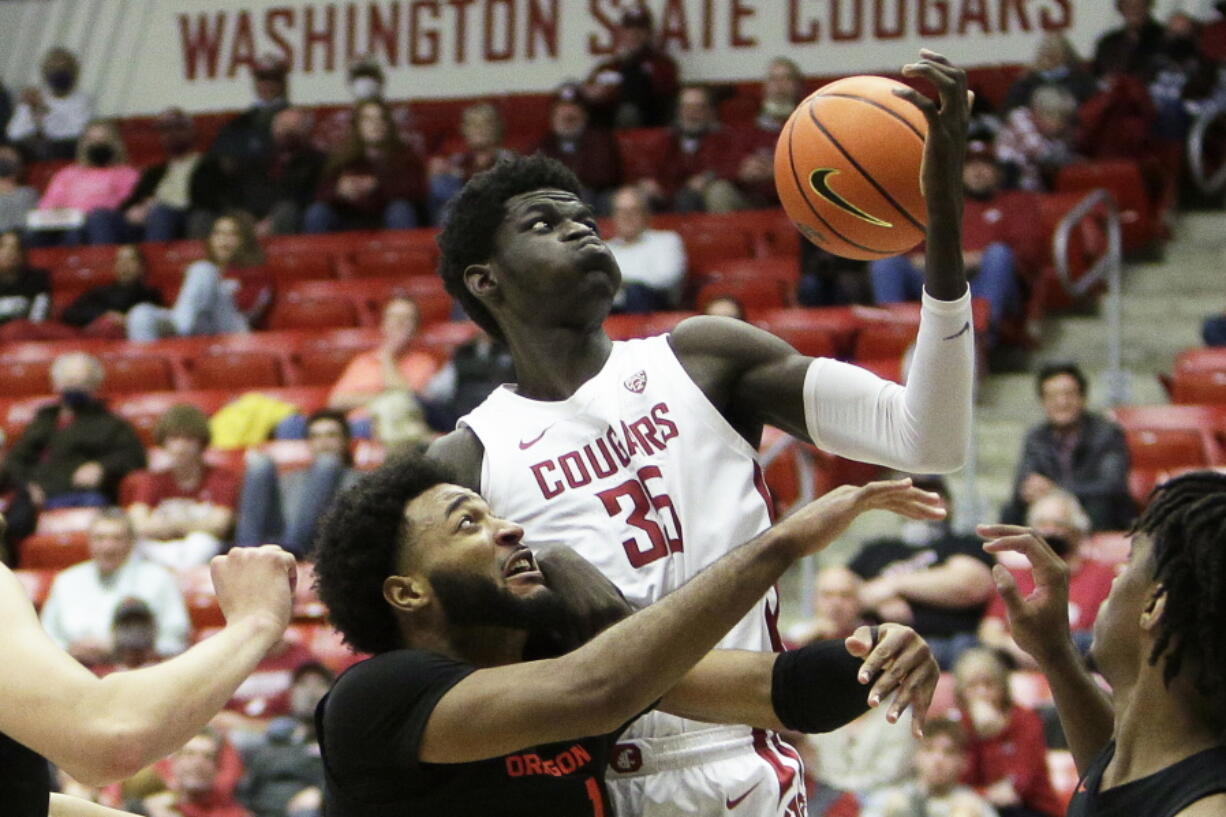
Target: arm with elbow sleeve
point(923, 427)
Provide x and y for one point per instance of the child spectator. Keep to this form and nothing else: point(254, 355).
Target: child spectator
point(102, 311)
point(220, 294)
point(940, 761)
point(82, 202)
point(182, 514)
point(16, 198)
point(1037, 140)
point(374, 180)
point(48, 120)
point(1007, 756)
point(482, 129)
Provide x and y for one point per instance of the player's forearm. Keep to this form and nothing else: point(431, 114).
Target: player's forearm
point(1084, 708)
point(727, 686)
point(944, 272)
point(635, 662)
point(947, 586)
point(150, 712)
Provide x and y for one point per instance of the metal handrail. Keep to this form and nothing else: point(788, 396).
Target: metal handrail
point(1207, 184)
point(1108, 267)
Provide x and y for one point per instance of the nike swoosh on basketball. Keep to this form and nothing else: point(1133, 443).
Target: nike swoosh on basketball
point(819, 180)
point(733, 803)
point(524, 446)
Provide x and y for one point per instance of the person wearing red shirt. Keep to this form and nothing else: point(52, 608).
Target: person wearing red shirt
point(182, 514)
point(374, 180)
point(1001, 238)
point(636, 87)
point(698, 168)
point(1064, 524)
point(193, 791)
point(590, 152)
point(1007, 757)
point(782, 90)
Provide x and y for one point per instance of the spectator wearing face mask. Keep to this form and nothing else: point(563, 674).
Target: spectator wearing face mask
point(173, 197)
point(281, 184)
point(82, 201)
point(1058, 517)
point(366, 82)
point(285, 766)
point(73, 453)
point(48, 120)
point(245, 142)
point(16, 198)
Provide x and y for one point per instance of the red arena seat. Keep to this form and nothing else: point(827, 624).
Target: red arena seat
point(53, 551)
point(25, 378)
point(321, 365)
point(403, 261)
point(297, 311)
point(234, 370)
point(36, 583)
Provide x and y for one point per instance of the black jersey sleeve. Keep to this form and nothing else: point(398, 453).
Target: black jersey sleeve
point(374, 716)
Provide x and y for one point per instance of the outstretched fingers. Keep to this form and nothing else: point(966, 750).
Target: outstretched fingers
point(1044, 562)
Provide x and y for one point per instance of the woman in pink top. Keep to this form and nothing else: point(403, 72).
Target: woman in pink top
point(93, 186)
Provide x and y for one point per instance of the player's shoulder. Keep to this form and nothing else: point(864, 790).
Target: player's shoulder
point(718, 336)
point(462, 452)
point(1212, 806)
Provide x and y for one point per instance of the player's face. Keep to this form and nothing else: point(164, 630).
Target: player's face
point(550, 263)
point(454, 532)
point(1119, 643)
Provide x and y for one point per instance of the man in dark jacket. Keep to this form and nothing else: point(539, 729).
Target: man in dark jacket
point(115, 299)
point(590, 152)
point(74, 452)
point(1074, 449)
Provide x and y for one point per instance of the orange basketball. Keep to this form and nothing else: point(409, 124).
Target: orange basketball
point(847, 168)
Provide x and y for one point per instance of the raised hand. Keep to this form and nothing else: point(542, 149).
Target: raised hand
point(824, 519)
point(941, 172)
point(256, 582)
point(1040, 620)
point(901, 661)
point(592, 601)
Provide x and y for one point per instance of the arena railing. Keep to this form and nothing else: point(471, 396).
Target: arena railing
point(1107, 269)
point(1208, 181)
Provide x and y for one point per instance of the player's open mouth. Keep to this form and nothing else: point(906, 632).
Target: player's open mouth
point(521, 564)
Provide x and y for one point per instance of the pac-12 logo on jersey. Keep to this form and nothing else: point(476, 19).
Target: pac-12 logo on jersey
point(636, 382)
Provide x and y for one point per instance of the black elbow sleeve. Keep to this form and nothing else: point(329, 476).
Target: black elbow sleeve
point(815, 689)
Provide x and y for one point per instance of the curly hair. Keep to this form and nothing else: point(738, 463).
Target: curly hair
point(476, 213)
point(1186, 520)
point(356, 546)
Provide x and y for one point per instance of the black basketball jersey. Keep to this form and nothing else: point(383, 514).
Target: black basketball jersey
point(1162, 794)
point(25, 780)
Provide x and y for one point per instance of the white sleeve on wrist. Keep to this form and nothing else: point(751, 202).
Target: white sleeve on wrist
point(923, 427)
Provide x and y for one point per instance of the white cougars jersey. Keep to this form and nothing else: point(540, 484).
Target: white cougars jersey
point(637, 471)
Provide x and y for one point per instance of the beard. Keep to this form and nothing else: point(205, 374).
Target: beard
point(478, 601)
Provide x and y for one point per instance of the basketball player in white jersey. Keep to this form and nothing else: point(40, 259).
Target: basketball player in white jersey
point(641, 454)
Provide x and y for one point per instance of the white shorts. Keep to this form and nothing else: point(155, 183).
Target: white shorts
point(712, 772)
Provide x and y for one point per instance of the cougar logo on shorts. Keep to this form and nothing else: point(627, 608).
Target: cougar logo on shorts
point(819, 181)
point(627, 758)
point(637, 382)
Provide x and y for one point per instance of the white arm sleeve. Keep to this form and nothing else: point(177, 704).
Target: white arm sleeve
point(923, 427)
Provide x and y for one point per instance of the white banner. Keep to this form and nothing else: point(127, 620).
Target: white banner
point(139, 56)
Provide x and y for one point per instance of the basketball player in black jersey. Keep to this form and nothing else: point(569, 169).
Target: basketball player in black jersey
point(102, 730)
point(1156, 747)
point(448, 718)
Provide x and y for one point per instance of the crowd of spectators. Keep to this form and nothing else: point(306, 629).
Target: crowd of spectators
point(278, 169)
